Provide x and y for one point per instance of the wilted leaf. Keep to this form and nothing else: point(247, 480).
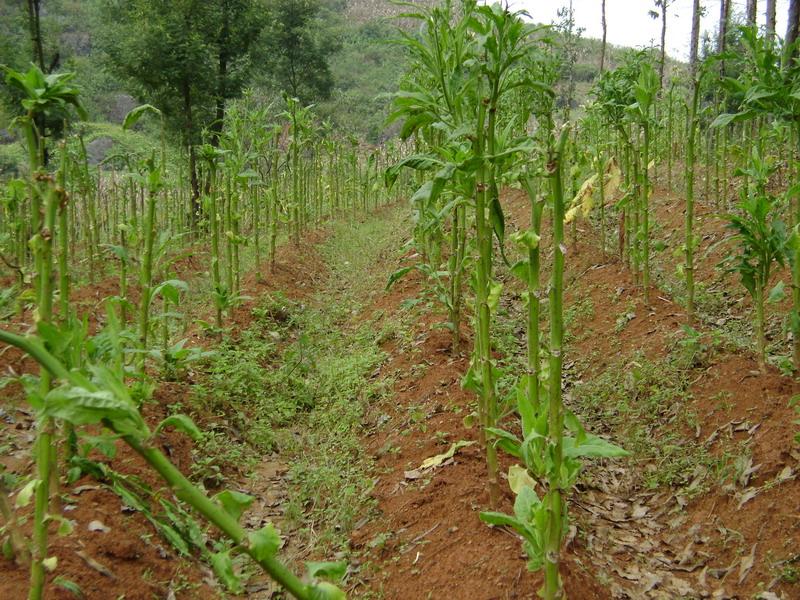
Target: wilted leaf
point(746, 565)
point(519, 478)
point(437, 460)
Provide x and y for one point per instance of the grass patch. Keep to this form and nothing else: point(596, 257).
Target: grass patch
point(644, 403)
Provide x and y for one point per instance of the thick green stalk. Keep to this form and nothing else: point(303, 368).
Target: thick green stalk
point(670, 119)
point(455, 263)
point(235, 236)
point(646, 215)
point(534, 311)
point(228, 227)
point(760, 337)
point(273, 212)
point(256, 200)
point(601, 172)
point(214, 219)
point(635, 234)
point(689, 237)
point(44, 444)
point(63, 238)
point(146, 277)
point(483, 336)
point(553, 500)
point(295, 179)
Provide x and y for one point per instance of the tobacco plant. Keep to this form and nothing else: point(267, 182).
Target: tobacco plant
point(762, 244)
point(768, 86)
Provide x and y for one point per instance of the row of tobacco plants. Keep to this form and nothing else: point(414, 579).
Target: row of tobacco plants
point(479, 104)
point(65, 223)
point(736, 112)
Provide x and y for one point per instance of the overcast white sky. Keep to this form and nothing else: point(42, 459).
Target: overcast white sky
point(629, 23)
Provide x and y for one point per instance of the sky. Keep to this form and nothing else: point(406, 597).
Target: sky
point(629, 23)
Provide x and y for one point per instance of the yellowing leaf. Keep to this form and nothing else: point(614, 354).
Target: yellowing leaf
point(519, 478)
point(613, 177)
point(50, 563)
point(588, 205)
point(571, 214)
point(26, 493)
point(493, 300)
point(584, 200)
point(435, 461)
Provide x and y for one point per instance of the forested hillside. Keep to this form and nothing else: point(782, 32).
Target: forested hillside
point(353, 37)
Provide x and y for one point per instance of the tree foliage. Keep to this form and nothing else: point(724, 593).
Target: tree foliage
point(297, 51)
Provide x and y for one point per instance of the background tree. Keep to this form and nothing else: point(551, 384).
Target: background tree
point(239, 24)
point(694, 44)
point(724, 20)
point(792, 27)
point(662, 6)
point(186, 57)
point(169, 60)
point(604, 25)
point(297, 50)
point(751, 12)
point(771, 17)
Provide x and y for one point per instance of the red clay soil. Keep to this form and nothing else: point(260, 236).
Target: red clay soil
point(130, 559)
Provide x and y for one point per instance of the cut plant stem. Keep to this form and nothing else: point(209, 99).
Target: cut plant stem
point(553, 500)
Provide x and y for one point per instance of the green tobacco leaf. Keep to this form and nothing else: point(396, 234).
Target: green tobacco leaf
point(398, 275)
point(80, 406)
point(329, 570)
point(68, 585)
point(223, 568)
point(133, 117)
point(593, 447)
point(496, 519)
point(777, 293)
point(418, 162)
point(265, 542)
point(521, 270)
point(234, 503)
point(173, 537)
point(327, 591)
point(497, 219)
point(493, 299)
point(526, 239)
point(507, 441)
point(726, 119)
point(181, 423)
